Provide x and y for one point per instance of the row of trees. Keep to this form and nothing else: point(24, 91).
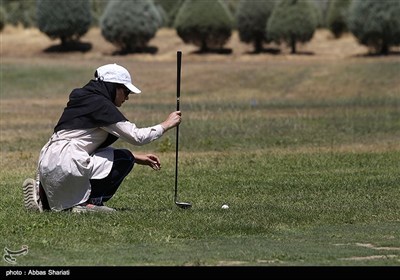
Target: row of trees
point(208, 24)
point(23, 12)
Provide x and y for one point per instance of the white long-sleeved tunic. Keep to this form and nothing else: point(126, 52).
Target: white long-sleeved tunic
point(71, 158)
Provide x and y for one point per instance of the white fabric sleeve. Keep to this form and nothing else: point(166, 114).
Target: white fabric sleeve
point(137, 136)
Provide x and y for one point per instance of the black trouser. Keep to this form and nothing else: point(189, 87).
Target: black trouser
point(104, 189)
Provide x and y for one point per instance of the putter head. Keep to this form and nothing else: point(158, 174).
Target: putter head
point(183, 205)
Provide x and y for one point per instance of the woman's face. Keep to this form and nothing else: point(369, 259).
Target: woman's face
point(122, 94)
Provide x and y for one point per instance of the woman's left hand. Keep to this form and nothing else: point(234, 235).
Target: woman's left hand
point(148, 159)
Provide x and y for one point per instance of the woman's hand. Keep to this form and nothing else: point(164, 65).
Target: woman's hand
point(174, 119)
point(148, 159)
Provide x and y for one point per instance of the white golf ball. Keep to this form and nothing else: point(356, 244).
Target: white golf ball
point(225, 206)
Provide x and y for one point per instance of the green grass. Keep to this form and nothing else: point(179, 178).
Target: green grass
point(309, 209)
point(307, 158)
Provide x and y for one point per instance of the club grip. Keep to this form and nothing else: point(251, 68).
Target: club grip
point(178, 76)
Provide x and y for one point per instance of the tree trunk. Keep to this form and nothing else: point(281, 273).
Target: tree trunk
point(293, 45)
point(384, 48)
point(258, 46)
point(204, 47)
point(63, 41)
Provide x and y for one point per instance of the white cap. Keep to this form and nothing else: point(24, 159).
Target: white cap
point(116, 74)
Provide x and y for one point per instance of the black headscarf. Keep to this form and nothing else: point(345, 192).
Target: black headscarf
point(91, 106)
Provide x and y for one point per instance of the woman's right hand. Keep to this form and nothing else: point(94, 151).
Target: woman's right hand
point(173, 120)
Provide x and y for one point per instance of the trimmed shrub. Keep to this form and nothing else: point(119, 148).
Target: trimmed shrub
point(164, 19)
point(20, 12)
point(206, 24)
point(67, 20)
point(337, 17)
point(97, 7)
point(375, 24)
point(322, 7)
point(171, 8)
point(251, 21)
point(2, 18)
point(232, 5)
point(130, 24)
point(292, 21)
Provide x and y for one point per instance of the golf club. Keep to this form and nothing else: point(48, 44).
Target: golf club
point(183, 205)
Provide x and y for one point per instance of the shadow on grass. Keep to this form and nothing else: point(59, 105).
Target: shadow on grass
point(222, 51)
point(276, 51)
point(303, 53)
point(391, 53)
point(273, 51)
point(144, 50)
point(69, 47)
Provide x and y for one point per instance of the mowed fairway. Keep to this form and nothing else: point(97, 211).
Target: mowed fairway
point(304, 149)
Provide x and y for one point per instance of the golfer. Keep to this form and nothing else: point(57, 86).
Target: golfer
point(78, 170)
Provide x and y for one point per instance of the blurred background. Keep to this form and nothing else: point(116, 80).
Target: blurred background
point(265, 26)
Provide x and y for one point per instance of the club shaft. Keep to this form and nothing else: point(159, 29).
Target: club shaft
point(176, 164)
point(178, 94)
point(178, 75)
